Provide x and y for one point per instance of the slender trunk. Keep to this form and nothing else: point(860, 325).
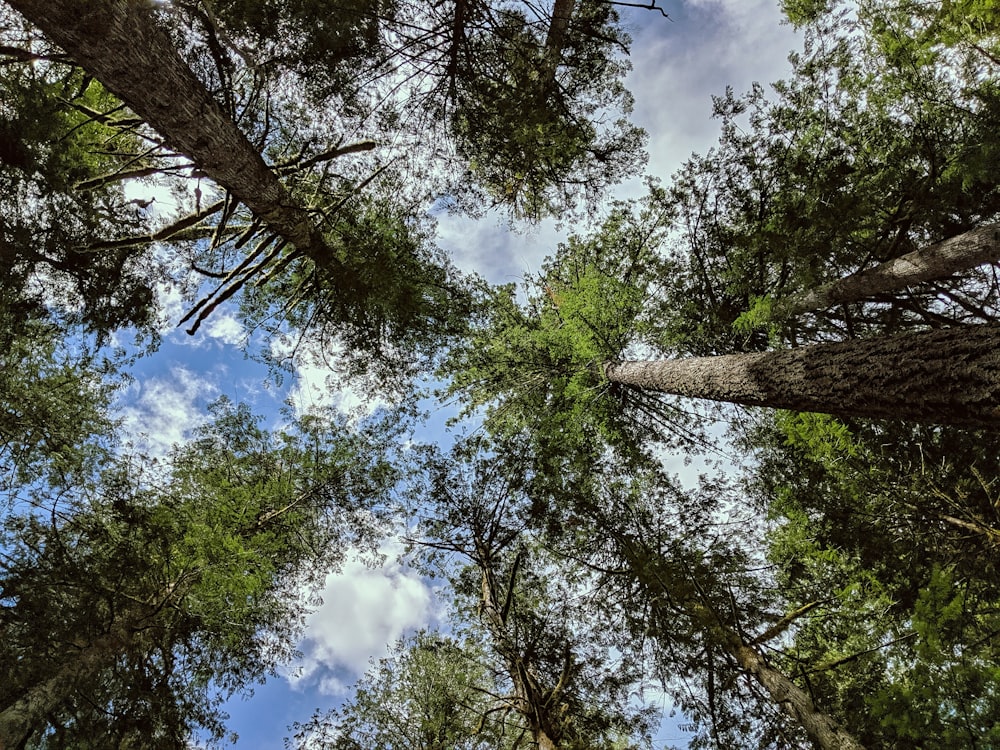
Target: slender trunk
point(792, 699)
point(562, 13)
point(121, 44)
point(555, 38)
point(529, 695)
point(457, 38)
point(947, 376)
point(29, 713)
point(954, 255)
point(654, 572)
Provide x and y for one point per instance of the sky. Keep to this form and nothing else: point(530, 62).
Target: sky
point(678, 64)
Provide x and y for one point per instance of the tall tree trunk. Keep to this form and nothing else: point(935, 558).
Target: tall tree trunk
point(562, 14)
point(30, 712)
point(792, 699)
point(939, 261)
point(555, 39)
point(947, 376)
point(121, 44)
point(671, 586)
point(532, 699)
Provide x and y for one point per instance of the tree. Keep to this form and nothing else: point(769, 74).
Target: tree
point(934, 263)
point(528, 661)
point(676, 569)
point(55, 424)
point(130, 49)
point(535, 615)
point(536, 365)
point(556, 363)
point(868, 152)
point(894, 524)
point(133, 603)
point(48, 148)
point(432, 693)
point(505, 98)
point(123, 45)
point(947, 376)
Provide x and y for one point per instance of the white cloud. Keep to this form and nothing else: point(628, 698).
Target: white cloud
point(364, 611)
point(221, 326)
point(678, 65)
point(489, 248)
point(160, 412)
point(224, 327)
point(315, 385)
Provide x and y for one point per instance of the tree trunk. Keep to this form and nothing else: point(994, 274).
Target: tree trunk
point(792, 699)
point(555, 38)
point(540, 714)
point(121, 44)
point(954, 255)
point(946, 376)
point(27, 714)
point(652, 571)
point(562, 14)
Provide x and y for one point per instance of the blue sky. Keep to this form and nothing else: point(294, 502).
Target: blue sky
point(678, 65)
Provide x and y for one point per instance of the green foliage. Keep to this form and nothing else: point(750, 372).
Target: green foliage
point(302, 35)
point(50, 143)
point(802, 12)
point(472, 88)
point(536, 159)
point(479, 120)
point(387, 301)
point(546, 638)
point(53, 407)
point(133, 603)
point(537, 366)
point(897, 524)
point(861, 155)
point(433, 692)
point(946, 696)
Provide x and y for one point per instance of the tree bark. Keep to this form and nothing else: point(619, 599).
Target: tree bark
point(21, 719)
point(532, 699)
point(792, 699)
point(652, 571)
point(121, 44)
point(945, 376)
point(954, 255)
point(555, 38)
point(562, 14)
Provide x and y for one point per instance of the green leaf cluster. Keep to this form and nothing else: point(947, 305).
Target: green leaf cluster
point(897, 524)
point(858, 157)
point(135, 602)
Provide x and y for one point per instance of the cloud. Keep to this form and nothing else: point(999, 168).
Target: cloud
point(315, 384)
point(678, 65)
point(162, 411)
point(224, 327)
point(220, 327)
point(490, 249)
point(364, 611)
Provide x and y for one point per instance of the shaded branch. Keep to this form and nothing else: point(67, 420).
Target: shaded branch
point(166, 233)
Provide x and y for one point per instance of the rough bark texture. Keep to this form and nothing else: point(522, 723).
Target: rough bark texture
point(121, 44)
point(671, 586)
point(946, 376)
point(30, 712)
point(822, 730)
point(954, 255)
